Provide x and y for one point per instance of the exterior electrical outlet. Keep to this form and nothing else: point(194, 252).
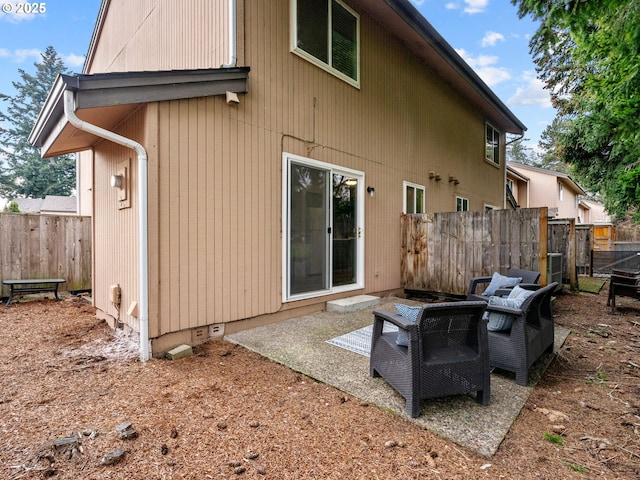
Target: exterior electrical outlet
point(114, 294)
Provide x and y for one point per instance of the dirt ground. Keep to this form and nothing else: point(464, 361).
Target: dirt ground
point(67, 382)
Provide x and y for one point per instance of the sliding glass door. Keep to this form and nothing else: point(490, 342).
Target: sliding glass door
point(323, 224)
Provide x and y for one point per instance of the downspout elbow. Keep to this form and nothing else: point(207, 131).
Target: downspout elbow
point(143, 224)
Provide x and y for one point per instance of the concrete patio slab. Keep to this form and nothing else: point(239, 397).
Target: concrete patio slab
point(301, 345)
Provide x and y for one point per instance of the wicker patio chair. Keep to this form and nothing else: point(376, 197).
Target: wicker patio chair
point(623, 283)
point(529, 281)
point(530, 336)
point(447, 353)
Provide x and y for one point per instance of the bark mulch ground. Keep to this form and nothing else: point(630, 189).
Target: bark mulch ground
point(75, 403)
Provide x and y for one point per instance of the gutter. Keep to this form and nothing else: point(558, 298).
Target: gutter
point(143, 227)
point(233, 35)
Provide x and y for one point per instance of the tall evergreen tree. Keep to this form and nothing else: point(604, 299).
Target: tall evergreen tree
point(23, 172)
point(588, 54)
point(519, 152)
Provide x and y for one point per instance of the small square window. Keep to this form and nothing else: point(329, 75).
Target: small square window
point(413, 198)
point(462, 204)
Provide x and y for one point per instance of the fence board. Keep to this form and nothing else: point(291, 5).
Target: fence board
point(443, 251)
point(46, 246)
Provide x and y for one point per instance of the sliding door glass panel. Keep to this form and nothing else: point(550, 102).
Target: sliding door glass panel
point(308, 229)
point(344, 240)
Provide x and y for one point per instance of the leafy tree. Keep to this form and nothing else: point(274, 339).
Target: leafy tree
point(23, 172)
point(588, 54)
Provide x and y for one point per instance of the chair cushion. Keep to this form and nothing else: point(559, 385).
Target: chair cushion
point(410, 313)
point(498, 281)
point(499, 321)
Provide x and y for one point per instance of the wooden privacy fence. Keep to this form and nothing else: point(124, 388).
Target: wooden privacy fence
point(441, 252)
point(46, 246)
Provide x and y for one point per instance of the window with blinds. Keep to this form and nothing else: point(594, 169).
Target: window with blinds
point(327, 34)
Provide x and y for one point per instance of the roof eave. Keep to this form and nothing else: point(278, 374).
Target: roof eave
point(127, 89)
point(451, 64)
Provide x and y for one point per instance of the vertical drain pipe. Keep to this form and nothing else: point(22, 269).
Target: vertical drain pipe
point(233, 35)
point(143, 224)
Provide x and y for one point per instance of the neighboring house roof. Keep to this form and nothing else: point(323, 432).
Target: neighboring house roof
point(28, 205)
point(514, 173)
point(51, 204)
point(566, 179)
point(105, 99)
point(59, 204)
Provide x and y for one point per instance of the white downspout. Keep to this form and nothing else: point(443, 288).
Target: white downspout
point(233, 34)
point(143, 227)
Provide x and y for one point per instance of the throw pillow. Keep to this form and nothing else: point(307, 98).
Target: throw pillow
point(499, 281)
point(520, 294)
point(499, 321)
point(410, 313)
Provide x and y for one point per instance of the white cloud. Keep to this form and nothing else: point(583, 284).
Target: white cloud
point(73, 60)
point(491, 38)
point(4, 53)
point(451, 6)
point(484, 66)
point(475, 6)
point(22, 54)
point(531, 93)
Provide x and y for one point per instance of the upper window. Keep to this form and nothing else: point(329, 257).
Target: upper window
point(413, 198)
point(327, 33)
point(492, 145)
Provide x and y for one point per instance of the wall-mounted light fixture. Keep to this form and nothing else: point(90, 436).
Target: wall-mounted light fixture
point(371, 191)
point(453, 180)
point(117, 181)
point(434, 176)
point(121, 181)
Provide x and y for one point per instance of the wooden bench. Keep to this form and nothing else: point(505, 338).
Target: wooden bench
point(33, 285)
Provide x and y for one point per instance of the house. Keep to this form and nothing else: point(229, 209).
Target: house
point(538, 187)
point(593, 212)
point(251, 160)
point(49, 205)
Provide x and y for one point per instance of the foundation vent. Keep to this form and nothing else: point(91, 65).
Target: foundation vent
point(199, 335)
point(216, 330)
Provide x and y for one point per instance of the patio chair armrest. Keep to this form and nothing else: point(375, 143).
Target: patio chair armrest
point(473, 284)
point(394, 318)
point(503, 309)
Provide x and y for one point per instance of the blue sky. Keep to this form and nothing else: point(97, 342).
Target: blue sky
point(486, 33)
